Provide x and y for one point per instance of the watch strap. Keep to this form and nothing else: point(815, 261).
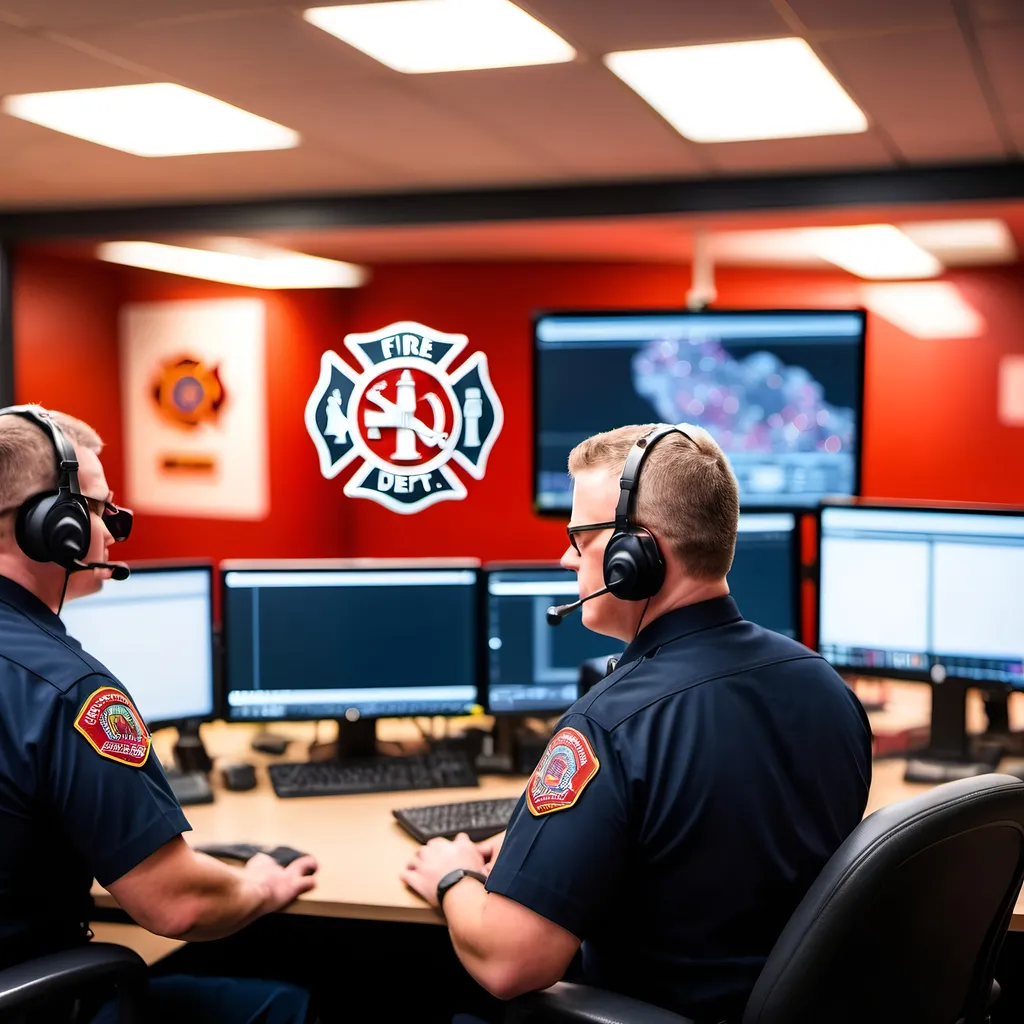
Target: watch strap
point(453, 877)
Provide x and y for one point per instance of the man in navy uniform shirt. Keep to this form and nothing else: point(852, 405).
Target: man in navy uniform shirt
point(81, 793)
point(684, 805)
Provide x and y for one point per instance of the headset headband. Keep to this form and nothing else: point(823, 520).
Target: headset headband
point(67, 461)
point(631, 472)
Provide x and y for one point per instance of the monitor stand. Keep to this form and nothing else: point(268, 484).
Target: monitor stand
point(356, 739)
point(189, 752)
point(997, 710)
point(948, 755)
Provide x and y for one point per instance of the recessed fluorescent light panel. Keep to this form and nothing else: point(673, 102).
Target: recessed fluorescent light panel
point(874, 251)
point(237, 261)
point(157, 119)
point(963, 242)
point(737, 92)
point(927, 309)
point(421, 36)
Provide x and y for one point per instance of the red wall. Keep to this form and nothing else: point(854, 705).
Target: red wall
point(931, 429)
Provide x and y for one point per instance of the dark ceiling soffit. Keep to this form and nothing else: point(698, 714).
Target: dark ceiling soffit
point(678, 195)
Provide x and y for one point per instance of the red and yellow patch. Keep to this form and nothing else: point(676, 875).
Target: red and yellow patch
point(114, 729)
point(568, 764)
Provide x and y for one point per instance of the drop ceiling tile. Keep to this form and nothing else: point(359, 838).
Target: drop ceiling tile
point(996, 12)
point(393, 129)
point(827, 152)
point(921, 89)
point(30, 63)
point(578, 117)
point(871, 15)
point(68, 15)
point(257, 48)
point(1003, 50)
point(601, 26)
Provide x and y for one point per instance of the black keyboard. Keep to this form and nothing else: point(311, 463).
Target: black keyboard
point(372, 775)
point(189, 787)
point(479, 819)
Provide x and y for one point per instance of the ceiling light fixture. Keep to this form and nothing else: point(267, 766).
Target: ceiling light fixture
point(926, 309)
point(874, 251)
point(156, 119)
point(737, 92)
point(983, 240)
point(237, 261)
point(423, 36)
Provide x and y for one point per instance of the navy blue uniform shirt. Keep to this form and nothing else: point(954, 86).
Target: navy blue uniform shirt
point(686, 804)
point(68, 813)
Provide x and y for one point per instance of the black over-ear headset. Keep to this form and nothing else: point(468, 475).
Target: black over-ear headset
point(634, 569)
point(54, 526)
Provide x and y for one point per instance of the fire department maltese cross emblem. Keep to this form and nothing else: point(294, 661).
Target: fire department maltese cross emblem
point(405, 416)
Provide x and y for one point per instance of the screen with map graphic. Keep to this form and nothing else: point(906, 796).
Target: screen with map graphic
point(780, 391)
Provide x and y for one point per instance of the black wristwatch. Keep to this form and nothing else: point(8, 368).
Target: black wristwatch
point(452, 878)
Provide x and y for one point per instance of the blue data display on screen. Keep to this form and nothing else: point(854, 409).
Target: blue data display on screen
point(309, 644)
point(781, 392)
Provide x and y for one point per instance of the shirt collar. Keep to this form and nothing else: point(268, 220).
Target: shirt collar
point(26, 602)
point(680, 622)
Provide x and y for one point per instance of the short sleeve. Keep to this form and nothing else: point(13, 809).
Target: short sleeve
point(106, 785)
point(568, 840)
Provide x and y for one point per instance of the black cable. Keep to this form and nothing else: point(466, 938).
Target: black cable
point(641, 622)
point(64, 590)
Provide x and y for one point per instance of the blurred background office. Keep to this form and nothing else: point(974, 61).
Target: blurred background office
point(340, 288)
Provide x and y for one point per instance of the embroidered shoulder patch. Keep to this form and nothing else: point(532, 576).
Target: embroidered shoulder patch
point(568, 764)
point(114, 729)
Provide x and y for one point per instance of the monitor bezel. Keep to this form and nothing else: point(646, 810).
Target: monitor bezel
point(154, 567)
point(342, 565)
point(785, 500)
point(898, 505)
point(799, 513)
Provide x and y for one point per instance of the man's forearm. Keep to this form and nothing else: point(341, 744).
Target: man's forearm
point(224, 900)
point(505, 959)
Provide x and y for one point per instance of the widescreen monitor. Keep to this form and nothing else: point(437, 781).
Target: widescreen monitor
point(349, 642)
point(925, 593)
point(154, 631)
point(780, 391)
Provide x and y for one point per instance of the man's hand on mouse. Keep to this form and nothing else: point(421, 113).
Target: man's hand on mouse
point(433, 861)
point(282, 884)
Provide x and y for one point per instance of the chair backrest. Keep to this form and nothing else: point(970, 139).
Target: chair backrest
point(906, 920)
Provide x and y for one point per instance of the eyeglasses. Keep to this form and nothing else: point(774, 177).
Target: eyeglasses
point(572, 531)
point(117, 520)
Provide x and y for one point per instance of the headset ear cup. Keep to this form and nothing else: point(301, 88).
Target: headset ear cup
point(52, 527)
point(633, 559)
point(30, 526)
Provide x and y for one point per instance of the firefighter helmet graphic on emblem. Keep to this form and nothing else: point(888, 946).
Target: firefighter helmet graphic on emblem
point(405, 416)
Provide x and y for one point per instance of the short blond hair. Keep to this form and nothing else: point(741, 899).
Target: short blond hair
point(27, 462)
point(686, 494)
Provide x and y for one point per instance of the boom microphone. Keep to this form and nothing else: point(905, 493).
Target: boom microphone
point(557, 612)
point(118, 570)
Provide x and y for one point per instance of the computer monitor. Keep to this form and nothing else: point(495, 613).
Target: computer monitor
point(765, 576)
point(780, 391)
point(533, 667)
point(350, 641)
point(154, 631)
point(929, 593)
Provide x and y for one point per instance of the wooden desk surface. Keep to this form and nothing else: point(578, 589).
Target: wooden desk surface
point(359, 846)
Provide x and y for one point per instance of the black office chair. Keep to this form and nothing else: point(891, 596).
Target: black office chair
point(60, 978)
point(903, 925)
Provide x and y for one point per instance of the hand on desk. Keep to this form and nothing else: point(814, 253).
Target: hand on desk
point(282, 884)
point(433, 861)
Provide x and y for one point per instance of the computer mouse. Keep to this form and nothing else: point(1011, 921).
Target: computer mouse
point(239, 776)
point(284, 855)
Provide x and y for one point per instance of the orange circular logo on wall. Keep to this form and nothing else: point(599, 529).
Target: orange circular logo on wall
point(189, 392)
